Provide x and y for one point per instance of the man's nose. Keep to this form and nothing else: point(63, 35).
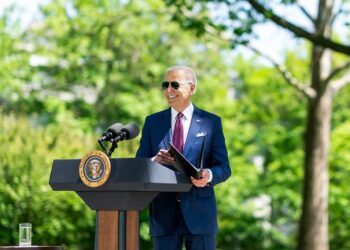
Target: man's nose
point(169, 89)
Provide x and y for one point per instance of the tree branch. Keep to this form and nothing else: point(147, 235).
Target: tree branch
point(340, 10)
point(336, 85)
point(303, 88)
point(306, 13)
point(208, 27)
point(336, 71)
point(298, 31)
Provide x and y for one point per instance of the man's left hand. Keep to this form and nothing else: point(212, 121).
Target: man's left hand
point(202, 182)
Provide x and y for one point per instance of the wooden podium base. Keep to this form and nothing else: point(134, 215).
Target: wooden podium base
point(107, 230)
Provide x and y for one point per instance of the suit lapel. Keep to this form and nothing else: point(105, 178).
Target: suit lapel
point(165, 125)
point(195, 127)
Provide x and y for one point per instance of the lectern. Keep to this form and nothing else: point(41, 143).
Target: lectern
point(131, 186)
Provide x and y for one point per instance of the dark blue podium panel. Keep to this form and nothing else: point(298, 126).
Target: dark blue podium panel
point(132, 184)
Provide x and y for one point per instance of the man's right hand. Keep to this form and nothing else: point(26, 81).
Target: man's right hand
point(164, 157)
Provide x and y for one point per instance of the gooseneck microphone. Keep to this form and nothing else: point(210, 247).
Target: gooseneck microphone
point(128, 132)
point(116, 133)
point(111, 132)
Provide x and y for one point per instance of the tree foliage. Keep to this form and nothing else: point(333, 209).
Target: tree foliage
point(87, 60)
point(26, 156)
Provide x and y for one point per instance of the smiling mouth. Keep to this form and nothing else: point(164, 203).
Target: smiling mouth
point(171, 96)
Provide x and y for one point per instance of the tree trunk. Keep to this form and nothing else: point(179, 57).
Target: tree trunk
point(313, 233)
point(313, 228)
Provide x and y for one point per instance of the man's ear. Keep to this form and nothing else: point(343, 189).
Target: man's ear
point(193, 89)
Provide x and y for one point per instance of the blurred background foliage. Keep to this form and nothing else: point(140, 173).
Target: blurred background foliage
point(84, 65)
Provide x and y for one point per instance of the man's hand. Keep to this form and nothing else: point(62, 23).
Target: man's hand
point(203, 181)
point(164, 157)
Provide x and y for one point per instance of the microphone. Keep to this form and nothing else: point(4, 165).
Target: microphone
point(111, 132)
point(116, 133)
point(132, 131)
point(128, 132)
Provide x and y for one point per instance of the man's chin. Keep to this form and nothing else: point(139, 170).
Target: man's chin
point(171, 103)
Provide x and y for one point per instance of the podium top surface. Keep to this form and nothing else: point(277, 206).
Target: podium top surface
point(127, 174)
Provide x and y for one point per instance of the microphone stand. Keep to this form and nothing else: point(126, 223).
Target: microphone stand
point(112, 148)
point(102, 145)
point(120, 137)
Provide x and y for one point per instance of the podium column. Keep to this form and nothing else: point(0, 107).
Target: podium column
point(107, 223)
point(132, 230)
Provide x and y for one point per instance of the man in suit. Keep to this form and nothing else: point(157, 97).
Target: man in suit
point(189, 217)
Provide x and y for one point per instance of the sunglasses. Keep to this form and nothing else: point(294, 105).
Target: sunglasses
point(173, 84)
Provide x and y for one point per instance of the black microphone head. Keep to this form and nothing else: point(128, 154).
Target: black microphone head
point(115, 128)
point(131, 130)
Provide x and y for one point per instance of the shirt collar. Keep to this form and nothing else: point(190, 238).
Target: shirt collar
point(187, 112)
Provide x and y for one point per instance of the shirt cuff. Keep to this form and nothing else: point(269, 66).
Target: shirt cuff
point(210, 175)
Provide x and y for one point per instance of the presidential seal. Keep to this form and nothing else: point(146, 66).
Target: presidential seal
point(94, 169)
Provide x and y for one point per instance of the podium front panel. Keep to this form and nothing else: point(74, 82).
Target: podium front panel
point(132, 183)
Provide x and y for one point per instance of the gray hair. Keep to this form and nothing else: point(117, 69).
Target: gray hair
point(190, 74)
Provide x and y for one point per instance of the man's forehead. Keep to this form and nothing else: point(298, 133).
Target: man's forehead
point(178, 73)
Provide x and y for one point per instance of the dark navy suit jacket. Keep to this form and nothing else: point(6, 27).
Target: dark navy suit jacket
point(198, 206)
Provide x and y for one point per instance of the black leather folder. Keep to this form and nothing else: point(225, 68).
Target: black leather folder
point(184, 166)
